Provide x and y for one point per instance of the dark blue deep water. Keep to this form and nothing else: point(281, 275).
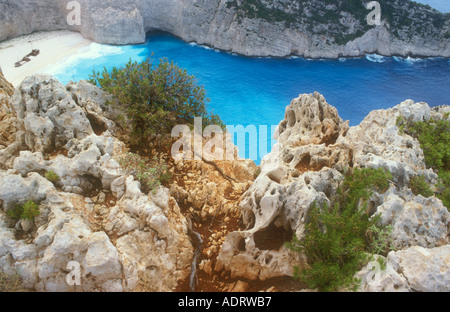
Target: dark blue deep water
point(255, 91)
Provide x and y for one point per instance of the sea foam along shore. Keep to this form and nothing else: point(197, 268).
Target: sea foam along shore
point(53, 46)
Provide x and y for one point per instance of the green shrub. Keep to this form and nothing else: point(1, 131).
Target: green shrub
point(28, 211)
point(150, 174)
point(434, 139)
point(401, 124)
point(51, 176)
point(339, 238)
point(155, 98)
point(443, 188)
point(15, 212)
point(380, 238)
point(419, 186)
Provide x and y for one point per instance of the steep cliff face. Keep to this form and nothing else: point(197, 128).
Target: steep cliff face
point(24, 17)
point(110, 21)
point(340, 27)
point(308, 28)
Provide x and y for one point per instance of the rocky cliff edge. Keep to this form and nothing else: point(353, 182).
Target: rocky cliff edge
point(123, 239)
point(313, 29)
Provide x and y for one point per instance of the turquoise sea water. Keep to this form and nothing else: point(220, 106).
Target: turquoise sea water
point(255, 91)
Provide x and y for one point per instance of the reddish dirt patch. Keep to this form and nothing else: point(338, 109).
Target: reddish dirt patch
point(305, 165)
point(214, 282)
point(55, 153)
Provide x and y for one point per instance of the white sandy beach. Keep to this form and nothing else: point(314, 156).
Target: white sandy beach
point(53, 46)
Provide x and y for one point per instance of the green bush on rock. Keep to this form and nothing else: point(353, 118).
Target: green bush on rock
point(150, 174)
point(155, 98)
point(434, 138)
point(51, 176)
point(419, 186)
point(339, 238)
point(28, 211)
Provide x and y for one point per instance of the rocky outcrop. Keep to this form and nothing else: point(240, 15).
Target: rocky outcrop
point(7, 118)
point(48, 114)
point(8, 121)
point(222, 217)
point(414, 269)
point(297, 173)
point(95, 214)
point(306, 166)
point(313, 29)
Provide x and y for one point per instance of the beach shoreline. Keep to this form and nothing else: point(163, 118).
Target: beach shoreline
point(53, 47)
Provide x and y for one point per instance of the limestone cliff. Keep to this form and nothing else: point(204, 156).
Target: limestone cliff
point(315, 29)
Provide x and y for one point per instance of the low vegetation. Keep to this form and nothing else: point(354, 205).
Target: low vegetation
point(419, 186)
point(257, 9)
point(51, 176)
point(340, 237)
point(434, 138)
point(151, 174)
point(27, 211)
point(10, 283)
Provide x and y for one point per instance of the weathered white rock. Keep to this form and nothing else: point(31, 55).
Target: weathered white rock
point(426, 270)
point(413, 269)
point(294, 177)
point(147, 248)
point(415, 220)
point(375, 278)
point(48, 114)
point(378, 143)
point(29, 162)
point(14, 189)
point(101, 259)
point(310, 120)
point(314, 148)
point(66, 239)
point(62, 118)
point(118, 187)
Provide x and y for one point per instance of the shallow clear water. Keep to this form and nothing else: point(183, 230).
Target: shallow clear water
point(255, 91)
